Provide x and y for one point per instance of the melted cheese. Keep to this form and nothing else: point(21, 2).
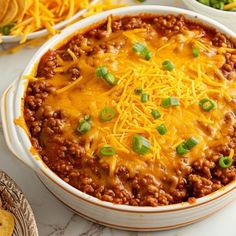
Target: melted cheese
point(190, 81)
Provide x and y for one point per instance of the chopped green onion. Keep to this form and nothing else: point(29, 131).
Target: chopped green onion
point(219, 5)
point(182, 149)
point(138, 91)
point(144, 97)
point(148, 56)
point(191, 142)
point(107, 151)
point(165, 102)
point(174, 101)
point(195, 52)
point(84, 127)
point(141, 0)
point(140, 144)
point(162, 129)
point(110, 79)
point(6, 29)
point(101, 71)
point(155, 114)
point(87, 118)
point(207, 104)
point(225, 162)
point(168, 65)
point(142, 50)
point(205, 2)
point(107, 114)
point(171, 101)
point(138, 48)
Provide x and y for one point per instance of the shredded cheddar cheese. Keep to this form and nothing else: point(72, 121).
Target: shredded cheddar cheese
point(231, 153)
point(45, 14)
point(191, 80)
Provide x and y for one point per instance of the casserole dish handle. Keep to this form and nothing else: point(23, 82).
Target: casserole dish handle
point(9, 127)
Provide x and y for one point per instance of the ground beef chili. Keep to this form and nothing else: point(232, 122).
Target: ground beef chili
point(63, 105)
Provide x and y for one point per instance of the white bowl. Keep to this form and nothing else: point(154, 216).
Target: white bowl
point(228, 18)
point(44, 32)
point(112, 215)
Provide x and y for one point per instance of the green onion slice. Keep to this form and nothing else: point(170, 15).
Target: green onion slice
point(155, 114)
point(182, 149)
point(168, 65)
point(219, 5)
point(138, 91)
point(171, 101)
point(165, 102)
point(6, 29)
point(139, 48)
point(144, 97)
point(148, 56)
point(225, 162)
point(87, 117)
point(107, 151)
point(101, 71)
point(142, 50)
point(107, 114)
point(84, 127)
point(140, 144)
point(205, 2)
point(191, 142)
point(110, 79)
point(207, 104)
point(195, 52)
point(162, 129)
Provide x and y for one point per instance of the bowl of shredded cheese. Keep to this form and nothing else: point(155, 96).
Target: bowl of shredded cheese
point(21, 20)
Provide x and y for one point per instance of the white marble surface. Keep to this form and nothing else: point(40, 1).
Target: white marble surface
point(52, 217)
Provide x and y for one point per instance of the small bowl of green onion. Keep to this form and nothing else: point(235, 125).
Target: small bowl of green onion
point(226, 5)
point(223, 11)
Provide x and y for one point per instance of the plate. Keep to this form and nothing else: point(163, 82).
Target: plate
point(43, 32)
point(15, 202)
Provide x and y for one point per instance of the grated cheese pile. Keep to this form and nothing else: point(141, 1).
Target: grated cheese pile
point(45, 14)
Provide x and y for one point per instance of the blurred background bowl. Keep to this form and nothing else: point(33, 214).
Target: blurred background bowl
point(228, 18)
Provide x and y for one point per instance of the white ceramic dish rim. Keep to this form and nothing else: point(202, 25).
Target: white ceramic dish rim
point(210, 9)
point(37, 163)
point(43, 32)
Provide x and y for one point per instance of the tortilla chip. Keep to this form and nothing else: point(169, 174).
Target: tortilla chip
point(22, 7)
point(6, 223)
point(11, 13)
point(3, 8)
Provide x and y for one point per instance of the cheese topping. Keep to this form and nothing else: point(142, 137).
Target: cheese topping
point(191, 80)
point(39, 14)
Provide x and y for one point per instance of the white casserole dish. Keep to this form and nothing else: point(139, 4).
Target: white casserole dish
point(117, 216)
